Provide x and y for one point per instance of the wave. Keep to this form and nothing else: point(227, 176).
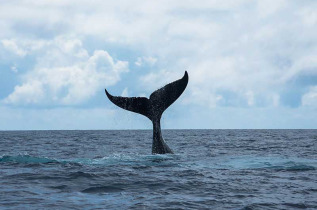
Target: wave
point(107, 160)
point(273, 163)
point(144, 161)
point(26, 159)
point(102, 189)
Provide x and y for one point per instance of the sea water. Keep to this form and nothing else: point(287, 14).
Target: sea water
point(211, 169)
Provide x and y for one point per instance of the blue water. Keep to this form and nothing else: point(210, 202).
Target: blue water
point(211, 169)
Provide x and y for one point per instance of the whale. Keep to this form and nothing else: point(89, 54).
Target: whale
point(153, 108)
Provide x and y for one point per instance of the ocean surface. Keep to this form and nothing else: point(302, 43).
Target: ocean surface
point(211, 169)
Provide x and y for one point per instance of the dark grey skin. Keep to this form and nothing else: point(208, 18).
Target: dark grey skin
point(159, 146)
point(153, 108)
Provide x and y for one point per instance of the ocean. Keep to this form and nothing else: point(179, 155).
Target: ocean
point(114, 169)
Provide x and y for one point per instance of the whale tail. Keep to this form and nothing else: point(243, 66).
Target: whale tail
point(158, 102)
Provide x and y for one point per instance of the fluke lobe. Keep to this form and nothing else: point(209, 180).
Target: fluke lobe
point(153, 108)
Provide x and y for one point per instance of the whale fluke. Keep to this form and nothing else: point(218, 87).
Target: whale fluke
point(134, 104)
point(153, 108)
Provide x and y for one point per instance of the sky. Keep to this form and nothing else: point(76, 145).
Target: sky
point(252, 64)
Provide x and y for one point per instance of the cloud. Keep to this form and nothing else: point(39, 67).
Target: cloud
point(66, 74)
point(69, 118)
point(247, 49)
point(125, 93)
point(23, 47)
point(10, 45)
point(155, 80)
point(194, 117)
point(14, 69)
point(239, 53)
point(197, 117)
point(145, 61)
point(310, 98)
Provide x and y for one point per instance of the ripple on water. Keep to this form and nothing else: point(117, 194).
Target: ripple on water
point(219, 169)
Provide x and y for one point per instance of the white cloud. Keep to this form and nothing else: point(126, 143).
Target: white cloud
point(12, 46)
point(145, 61)
point(125, 92)
point(310, 98)
point(66, 74)
point(30, 92)
point(155, 80)
point(14, 69)
point(24, 47)
point(250, 98)
point(69, 118)
point(199, 97)
point(248, 50)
